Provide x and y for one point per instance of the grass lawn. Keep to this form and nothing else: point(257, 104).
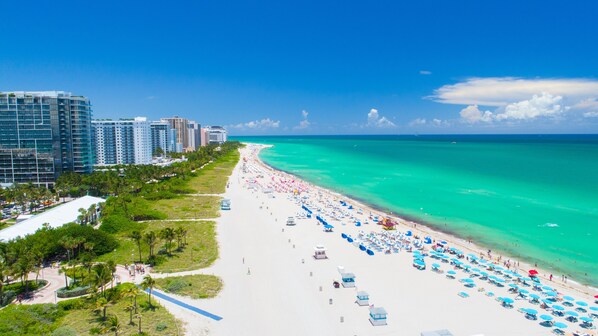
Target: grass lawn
point(85, 320)
point(201, 249)
point(213, 177)
point(77, 317)
point(199, 286)
point(189, 207)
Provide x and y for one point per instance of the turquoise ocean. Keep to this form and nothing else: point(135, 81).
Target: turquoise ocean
point(532, 197)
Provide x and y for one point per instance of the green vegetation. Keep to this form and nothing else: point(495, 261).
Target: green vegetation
point(122, 310)
point(212, 178)
point(189, 207)
point(199, 286)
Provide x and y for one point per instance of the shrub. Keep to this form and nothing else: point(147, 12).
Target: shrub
point(161, 326)
point(119, 223)
point(7, 297)
point(64, 331)
point(72, 304)
point(29, 319)
point(69, 293)
point(176, 285)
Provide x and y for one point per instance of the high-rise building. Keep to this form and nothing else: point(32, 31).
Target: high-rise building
point(182, 135)
point(43, 135)
point(216, 135)
point(173, 145)
point(160, 136)
point(193, 129)
point(124, 141)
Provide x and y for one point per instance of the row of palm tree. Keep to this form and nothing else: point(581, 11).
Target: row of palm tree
point(152, 238)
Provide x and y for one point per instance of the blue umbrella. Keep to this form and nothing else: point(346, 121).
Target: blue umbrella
point(530, 311)
point(534, 296)
point(547, 288)
point(451, 272)
point(581, 304)
point(468, 280)
point(594, 308)
point(484, 274)
point(435, 265)
point(408, 234)
point(548, 302)
point(572, 313)
point(557, 307)
point(513, 286)
point(586, 319)
point(499, 280)
point(507, 300)
point(551, 294)
point(419, 262)
point(523, 291)
point(568, 298)
point(546, 317)
point(560, 325)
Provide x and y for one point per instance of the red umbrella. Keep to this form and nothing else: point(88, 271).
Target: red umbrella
point(533, 272)
point(596, 296)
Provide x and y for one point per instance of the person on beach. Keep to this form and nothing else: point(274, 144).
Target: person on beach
point(551, 277)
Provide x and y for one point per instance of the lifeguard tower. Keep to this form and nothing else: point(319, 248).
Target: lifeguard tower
point(363, 298)
point(348, 280)
point(320, 252)
point(378, 316)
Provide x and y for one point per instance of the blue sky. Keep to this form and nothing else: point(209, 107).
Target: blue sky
point(314, 67)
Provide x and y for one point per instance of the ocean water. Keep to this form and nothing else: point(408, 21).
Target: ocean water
point(533, 197)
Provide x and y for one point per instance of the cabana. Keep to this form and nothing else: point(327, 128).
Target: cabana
point(320, 252)
point(348, 280)
point(378, 316)
point(363, 298)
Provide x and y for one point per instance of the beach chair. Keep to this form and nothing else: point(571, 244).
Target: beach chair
point(463, 295)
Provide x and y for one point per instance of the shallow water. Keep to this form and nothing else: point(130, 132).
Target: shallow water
point(531, 196)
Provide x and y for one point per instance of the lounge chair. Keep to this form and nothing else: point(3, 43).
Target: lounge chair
point(463, 295)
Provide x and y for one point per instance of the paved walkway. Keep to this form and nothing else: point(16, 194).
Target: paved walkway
point(184, 305)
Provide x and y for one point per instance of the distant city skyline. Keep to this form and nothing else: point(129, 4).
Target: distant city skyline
point(334, 68)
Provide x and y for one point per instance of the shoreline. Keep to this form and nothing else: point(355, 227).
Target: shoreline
point(424, 228)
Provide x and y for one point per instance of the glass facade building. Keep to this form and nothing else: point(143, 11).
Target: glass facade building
point(124, 141)
point(43, 134)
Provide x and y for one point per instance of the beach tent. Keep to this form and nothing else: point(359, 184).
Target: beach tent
point(320, 252)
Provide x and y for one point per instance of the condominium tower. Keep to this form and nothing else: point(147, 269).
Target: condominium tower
point(43, 135)
point(124, 141)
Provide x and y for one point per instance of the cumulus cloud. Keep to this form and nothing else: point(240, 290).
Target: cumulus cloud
point(472, 114)
point(501, 91)
point(303, 123)
point(258, 124)
point(375, 120)
point(418, 121)
point(591, 114)
point(425, 72)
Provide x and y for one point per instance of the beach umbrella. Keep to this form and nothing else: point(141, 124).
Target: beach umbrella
point(484, 274)
point(428, 240)
point(409, 234)
point(557, 307)
point(471, 255)
point(559, 325)
point(568, 298)
point(594, 308)
point(531, 311)
point(451, 272)
point(507, 300)
point(499, 280)
point(468, 280)
point(435, 265)
point(419, 262)
point(551, 294)
point(547, 301)
point(532, 272)
point(581, 304)
point(572, 313)
point(477, 270)
point(534, 296)
point(513, 286)
point(586, 319)
point(547, 288)
point(546, 317)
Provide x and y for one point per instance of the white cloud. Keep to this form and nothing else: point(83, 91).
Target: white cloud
point(375, 120)
point(258, 124)
point(418, 121)
point(591, 114)
point(586, 104)
point(440, 122)
point(472, 114)
point(501, 91)
point(541, 105)
point(303, 124)
point(425, 72)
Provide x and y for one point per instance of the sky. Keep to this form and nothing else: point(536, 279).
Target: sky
point(316, 67)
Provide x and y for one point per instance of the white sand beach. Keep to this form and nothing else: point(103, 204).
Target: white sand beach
point(274, 286)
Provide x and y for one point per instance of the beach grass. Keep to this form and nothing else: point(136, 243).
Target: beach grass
point(189, 207)
point(213, 177)
point(198, 286)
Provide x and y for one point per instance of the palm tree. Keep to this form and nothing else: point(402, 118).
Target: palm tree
point(64, 271)
point(130, 308)
point(136, 236)
point(91, 212)
point(148, 282)
point(68, 243)
point(180, 234)
point(100, 276)
point(151, 239)
point(113, 324)
point(83, 216)
point(139, 316)
point(132, 292)
point(102, 305)
point(168, 235)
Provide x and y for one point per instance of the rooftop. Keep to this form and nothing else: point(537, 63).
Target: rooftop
point(55, 217)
